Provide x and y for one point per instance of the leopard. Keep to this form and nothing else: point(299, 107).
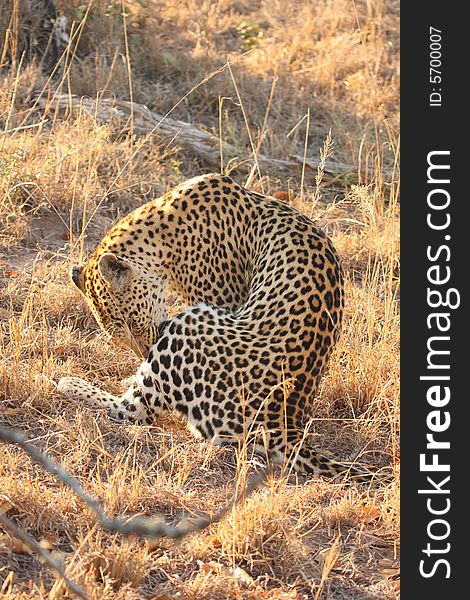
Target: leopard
point(264, 294)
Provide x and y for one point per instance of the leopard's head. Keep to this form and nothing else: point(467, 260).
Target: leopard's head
point(128, 303)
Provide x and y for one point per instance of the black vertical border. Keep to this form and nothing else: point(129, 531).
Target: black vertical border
point(426, 129)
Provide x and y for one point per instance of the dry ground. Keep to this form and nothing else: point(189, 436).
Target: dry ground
point(300, 68)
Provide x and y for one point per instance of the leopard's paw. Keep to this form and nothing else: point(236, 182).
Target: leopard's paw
point(74, 387)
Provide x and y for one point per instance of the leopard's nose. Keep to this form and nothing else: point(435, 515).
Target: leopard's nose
point(76, 274)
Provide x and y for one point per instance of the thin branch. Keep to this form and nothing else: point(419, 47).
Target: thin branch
point(33, 545)
point(150, 527)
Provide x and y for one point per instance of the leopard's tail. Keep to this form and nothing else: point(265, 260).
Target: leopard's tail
point(308, 461)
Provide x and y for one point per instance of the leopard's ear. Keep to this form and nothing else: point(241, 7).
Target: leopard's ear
point(114, 270)
point(76, 275)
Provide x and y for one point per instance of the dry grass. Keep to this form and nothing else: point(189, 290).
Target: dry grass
point(292, 539)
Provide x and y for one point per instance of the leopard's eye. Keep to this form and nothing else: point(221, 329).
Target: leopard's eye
point(135, 325)
point(138, 327)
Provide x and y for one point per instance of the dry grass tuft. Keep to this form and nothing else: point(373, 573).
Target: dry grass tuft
point(300, 69)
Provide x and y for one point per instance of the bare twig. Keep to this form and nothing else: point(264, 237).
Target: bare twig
point(150, 527)
point(33, 545)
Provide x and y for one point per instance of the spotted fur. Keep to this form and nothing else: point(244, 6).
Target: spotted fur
point(265, 293)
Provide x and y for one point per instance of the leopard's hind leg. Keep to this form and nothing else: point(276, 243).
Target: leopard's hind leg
point(130, 406)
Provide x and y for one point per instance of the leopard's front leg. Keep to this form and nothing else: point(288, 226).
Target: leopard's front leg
point(132, 406)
